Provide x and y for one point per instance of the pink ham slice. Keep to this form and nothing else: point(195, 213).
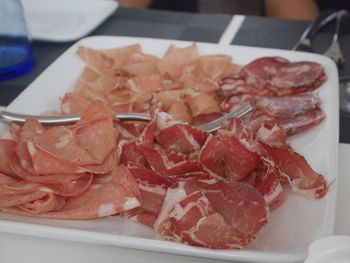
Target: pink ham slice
point(61, 184)
point(295, 169)
point(103, 198)
point(65, 151)
point(72, 103)
point(7, 147)
point(27, 196)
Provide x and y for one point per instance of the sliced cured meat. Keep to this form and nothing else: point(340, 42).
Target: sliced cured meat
point(26, 196)
point(274, 76)
point(181, 138)
point(181, 111)
point(31, 129)
point(176, 59)
point(215, 66)
point(267, 181)
point(238, 86)
point(261, 69)
point(146, 84)
point(237, 129)
point(295, 169)
point(98, 139)
point(113, 196)
point(302, 75)
point(7, 148)
point(288, 106)
point(271, 133)
point(203, 103)
point(97, 111)
point(140, 216)
point(95, 59)
point(215, 215)
point(72, 103)
point(303, 122)
point(162, 165)
point(225, 158)
point(133, 155)
point(152, 188)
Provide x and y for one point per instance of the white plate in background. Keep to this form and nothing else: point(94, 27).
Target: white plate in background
point(291, 228)
point(65, 20)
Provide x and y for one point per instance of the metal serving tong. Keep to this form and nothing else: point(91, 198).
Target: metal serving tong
point(211, 126)
point(333, 52)
point(304, 43)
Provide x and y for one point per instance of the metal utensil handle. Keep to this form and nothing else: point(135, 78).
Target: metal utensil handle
point(340, 15)
point(311, 31)
point(65, 119)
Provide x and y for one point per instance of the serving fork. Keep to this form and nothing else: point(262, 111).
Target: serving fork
point(211, 126)
point(334, 51)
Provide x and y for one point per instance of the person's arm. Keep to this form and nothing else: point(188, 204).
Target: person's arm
point(292, 9)
point(136, 3)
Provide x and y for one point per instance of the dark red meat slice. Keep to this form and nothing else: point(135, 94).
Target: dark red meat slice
point(215, 215)
point(295, 169)
point(152, 188)
point(267, 181)
point(132, 155)
point(181, 138)
point(271, 133)
point(224, 157)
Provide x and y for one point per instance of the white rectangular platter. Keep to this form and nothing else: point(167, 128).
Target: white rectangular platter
point(291, 228)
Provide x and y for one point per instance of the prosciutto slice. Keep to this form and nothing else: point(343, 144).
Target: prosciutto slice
point(215, 215)
point(298, 173)
point(225, 158)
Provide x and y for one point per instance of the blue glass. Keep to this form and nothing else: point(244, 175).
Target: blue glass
point(16, 50)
